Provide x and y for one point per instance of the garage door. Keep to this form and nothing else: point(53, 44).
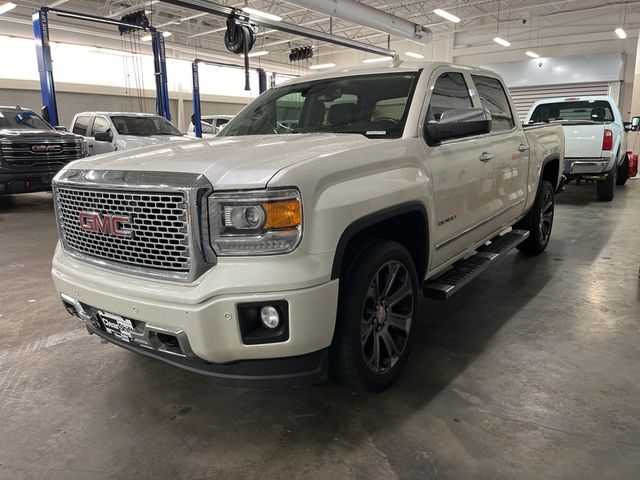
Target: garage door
point(524, 97)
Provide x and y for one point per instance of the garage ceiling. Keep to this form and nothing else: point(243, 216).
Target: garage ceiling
point(193, 30)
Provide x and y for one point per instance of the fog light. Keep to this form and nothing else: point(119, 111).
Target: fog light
point(270, 317)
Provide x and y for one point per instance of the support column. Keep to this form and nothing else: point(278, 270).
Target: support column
point(197, 116)
point(262, 80)
point(635, 98)
point(40, 19)
point(160, 71)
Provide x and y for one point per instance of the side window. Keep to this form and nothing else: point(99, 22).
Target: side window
point(449, 92)
point(100, 125)
point(80, 126)
point(493, 97)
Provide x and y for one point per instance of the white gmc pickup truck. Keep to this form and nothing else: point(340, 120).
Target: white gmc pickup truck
point(298, 241)
point(596, 146)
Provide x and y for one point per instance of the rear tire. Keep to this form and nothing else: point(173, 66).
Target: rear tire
point(377, 312)
point(539, 221)
point(623, 172)
point(606, 188)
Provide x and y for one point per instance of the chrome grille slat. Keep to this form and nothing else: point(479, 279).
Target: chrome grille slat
point(158, 220)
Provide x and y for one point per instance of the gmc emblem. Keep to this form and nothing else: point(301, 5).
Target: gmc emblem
point(108, 224)
point(45, 148)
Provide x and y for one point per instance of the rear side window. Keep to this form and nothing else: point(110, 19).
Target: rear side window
point(449, 92)
point(80, 126)
point(493, 96)
point(100, 125)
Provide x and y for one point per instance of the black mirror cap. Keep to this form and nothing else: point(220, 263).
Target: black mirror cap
point(103, 136)
point(458, 123)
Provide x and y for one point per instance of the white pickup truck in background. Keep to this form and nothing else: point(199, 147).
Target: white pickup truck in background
point(109, 131)
point(595, 141)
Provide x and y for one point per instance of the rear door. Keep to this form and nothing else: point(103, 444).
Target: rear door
point(509, 147)
point(462, 171)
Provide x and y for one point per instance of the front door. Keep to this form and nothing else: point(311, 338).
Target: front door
point(462, 172)
point(100, 125)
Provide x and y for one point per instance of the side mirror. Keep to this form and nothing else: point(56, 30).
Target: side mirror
point(103, 136)
point(635, 123)
point(458, 123)
point(61, 128)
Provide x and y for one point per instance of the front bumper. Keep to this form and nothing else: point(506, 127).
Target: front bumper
point(207, 331)
point(17, 182)
point(587, 166)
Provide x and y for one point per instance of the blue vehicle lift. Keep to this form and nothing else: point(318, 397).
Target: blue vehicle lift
point(197, 112)
point(40, 19)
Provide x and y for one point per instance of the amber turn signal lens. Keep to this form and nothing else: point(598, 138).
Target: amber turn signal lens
point(284, 214)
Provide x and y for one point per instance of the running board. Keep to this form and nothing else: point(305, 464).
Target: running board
point(462, 272)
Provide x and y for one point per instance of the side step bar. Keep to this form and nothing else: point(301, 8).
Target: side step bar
point(462, 272)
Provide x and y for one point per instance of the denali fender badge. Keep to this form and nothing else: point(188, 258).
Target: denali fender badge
point(107, 224)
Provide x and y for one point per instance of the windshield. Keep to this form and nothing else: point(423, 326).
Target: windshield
point(584, 110)
point(372, 105)
point(143, 126)
point(22, 120)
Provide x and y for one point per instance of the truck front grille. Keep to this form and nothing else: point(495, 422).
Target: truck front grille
point(35, 153)
point(144, 229)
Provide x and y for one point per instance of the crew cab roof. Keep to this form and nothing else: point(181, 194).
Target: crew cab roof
point(382, 67)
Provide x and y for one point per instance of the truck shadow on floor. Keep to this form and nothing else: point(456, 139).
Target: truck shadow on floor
point(585, 194)
point(450, 336)
point(26, 201)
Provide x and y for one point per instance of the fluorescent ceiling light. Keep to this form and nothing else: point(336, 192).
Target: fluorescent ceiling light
point(258, 54)
point(414, 54)
point(444, 14)
point(377, 59)
point(166, 34)
point(502, 41)
point(320, 66)
point(532, 54)
point(146, 38)
point(259, 13)
point(619, 31)
point(6, 7)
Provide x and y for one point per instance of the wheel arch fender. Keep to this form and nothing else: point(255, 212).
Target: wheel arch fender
point(406, 214)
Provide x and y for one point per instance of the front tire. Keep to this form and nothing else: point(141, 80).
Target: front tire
point(377, 312)
point(539, 221)
point(623, 172)
point(606, 188)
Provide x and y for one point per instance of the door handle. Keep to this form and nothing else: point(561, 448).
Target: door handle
point(486, 156)
point(523, 147)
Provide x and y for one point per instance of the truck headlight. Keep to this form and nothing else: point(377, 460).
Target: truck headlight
point(255, 222)
point(84, 147)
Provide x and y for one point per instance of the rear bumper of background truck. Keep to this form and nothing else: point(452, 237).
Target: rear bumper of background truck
point(587, 166)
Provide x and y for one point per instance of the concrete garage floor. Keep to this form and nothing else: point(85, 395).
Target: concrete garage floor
point(531, 372)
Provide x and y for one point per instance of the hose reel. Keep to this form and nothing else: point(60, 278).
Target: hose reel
point(240, 39)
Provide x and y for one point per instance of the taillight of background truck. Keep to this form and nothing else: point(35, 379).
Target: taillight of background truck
point(607, 140)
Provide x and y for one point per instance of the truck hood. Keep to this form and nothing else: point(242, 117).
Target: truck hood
point(7, 133)
point(583, 140)
point(228, 162)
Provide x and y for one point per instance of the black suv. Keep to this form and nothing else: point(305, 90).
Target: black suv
point(32, 151)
